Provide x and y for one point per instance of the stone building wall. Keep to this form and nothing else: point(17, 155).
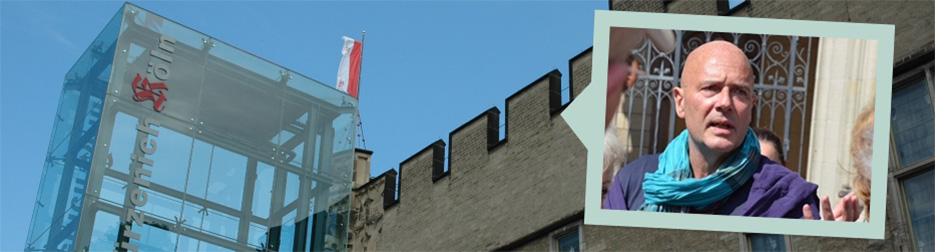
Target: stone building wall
point(495, 191)
point(512, 193)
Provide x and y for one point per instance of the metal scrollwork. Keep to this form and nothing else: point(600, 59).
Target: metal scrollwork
point(692, 43)
point(798, 96)
point(781, 96)
point(653, 85)
point(780, 66)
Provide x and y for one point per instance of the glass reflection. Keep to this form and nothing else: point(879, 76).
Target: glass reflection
point(245, 152)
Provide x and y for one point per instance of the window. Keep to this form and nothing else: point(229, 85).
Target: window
point(913, 153)
point(912, 122)
point(569, 242)
point(765, 242)
point(920, 193)
point(727, 7)
point(567, 238)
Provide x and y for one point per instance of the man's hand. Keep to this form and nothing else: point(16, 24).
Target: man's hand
point(847, 209)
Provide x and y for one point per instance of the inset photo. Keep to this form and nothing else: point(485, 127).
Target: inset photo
point(705, 118)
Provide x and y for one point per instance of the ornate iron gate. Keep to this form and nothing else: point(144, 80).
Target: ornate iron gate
point(783, 71)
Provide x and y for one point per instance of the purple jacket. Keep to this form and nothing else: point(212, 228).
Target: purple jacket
point(774, 191)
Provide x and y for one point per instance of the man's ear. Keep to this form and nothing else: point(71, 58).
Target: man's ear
point(677, 92)
point(755, 96)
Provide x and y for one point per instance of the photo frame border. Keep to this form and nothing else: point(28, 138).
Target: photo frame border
point(584, 116)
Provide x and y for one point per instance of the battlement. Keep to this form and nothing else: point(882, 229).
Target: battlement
point(470, 145)
point(486, 173)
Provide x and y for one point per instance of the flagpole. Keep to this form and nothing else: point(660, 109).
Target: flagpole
point(360, 70)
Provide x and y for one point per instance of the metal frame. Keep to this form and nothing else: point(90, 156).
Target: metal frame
point(79, 149)
point(782, 82)
point(746, 245)
point(900, 173)
point(315, 179)
point(567, 229)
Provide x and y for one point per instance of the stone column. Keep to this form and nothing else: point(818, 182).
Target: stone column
point(845, 82)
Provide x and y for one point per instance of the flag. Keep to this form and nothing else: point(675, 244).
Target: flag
point(349, 70)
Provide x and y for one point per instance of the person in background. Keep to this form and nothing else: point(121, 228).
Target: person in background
point(862, 153)
point(849, 207)
point(770, 145)
point(622, 72)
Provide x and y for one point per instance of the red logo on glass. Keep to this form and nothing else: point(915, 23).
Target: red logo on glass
point(149, 91)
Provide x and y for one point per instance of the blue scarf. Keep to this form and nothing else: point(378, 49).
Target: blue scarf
point(672, 188)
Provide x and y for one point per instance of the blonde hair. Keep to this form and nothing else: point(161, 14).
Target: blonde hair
point(861, 154)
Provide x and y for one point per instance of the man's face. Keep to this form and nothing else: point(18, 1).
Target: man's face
point(716, 96)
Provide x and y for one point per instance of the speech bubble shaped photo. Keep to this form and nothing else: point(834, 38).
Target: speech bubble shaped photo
point(813, 85)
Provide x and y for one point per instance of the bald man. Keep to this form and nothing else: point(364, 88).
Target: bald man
point(714, 166)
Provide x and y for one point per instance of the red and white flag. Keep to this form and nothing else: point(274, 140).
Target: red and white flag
point(349, 70)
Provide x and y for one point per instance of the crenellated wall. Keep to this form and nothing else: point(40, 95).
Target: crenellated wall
point(495, 191)
point(579, 69)
point(514, 193)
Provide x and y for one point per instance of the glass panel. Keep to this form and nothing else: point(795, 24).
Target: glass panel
point(156, 23)
point(193, 215)
point(767, 242)
point(221, 224)
point(207, 246)
point(307, 87)
point(218, 111)
point(569, 242)
point(287, 236)
point(263, 190)
point(299, 151)
point(161, 206)
point(227, 178)
point(123, 141)
point(731, 4)
point(292, 188)
point(257, 236)
point(920, 193)
point(200, 166)
point(135, 52)
point(113, 191)
point(232, 78)
point(161, 66)
point(105, 231)
point(231, 55)
point(311, 227)
point(913, 124)
point(295, 121)
point(170, 160)
point(154, 239)
point(187, 243)
point(74, 133)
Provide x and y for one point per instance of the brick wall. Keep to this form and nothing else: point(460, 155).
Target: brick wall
point(579, 68)
point(495, 192)
point(509, 193)
point(915, 27)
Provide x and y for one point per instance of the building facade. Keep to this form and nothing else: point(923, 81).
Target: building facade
point(154, 149)
point(525, 192)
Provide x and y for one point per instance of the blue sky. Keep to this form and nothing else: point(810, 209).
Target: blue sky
point(428, 66)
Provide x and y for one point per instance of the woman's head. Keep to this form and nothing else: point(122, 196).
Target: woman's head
point(770, 145)
point(862, 152)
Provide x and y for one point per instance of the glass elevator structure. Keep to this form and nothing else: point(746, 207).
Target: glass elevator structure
point(167, 139)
